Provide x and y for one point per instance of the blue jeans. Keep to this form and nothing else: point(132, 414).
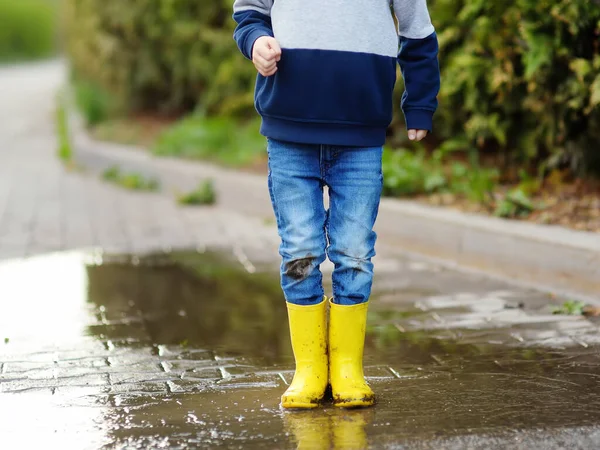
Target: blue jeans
point(297, 175)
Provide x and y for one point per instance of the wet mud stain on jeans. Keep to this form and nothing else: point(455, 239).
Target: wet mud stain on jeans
point(299, 269)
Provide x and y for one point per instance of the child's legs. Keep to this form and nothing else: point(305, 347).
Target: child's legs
point(355, 183)
point(297, 195)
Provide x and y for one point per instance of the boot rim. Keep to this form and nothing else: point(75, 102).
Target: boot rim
point(358, 306)
point(296, 307)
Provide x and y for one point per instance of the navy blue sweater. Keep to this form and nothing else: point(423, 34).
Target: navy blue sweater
point(337, 71)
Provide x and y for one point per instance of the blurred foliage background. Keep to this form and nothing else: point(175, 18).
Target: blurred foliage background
point(520, 77)
point(523, 77)
point(28, 29)
point(164, 56)
point(519, 106)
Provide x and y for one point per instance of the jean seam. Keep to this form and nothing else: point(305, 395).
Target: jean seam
point(272, 193)
point(334, 286)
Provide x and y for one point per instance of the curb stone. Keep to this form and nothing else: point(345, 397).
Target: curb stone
point(545, 257)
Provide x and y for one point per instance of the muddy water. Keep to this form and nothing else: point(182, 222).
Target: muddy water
point(188, 350)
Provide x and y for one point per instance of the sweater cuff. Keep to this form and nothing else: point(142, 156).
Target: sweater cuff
point(251, 39)
point(419, 119)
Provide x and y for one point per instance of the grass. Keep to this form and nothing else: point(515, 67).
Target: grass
point(516, 203)
point(95, 103)
point(132, 181)
point(414, 172)
point(223, 141)
point(570, 307)
point(203, 195)
point(65, 149)
point(220, 140)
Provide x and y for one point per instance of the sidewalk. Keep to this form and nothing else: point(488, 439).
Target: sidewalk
point(168, 352)
point(44, 208)
point(545, 257)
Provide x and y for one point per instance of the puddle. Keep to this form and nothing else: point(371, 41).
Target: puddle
point(189, 350)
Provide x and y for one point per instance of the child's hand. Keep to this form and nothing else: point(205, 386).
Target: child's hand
point(265, 55)
point(417, 135)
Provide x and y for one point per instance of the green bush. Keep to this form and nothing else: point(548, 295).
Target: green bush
point(408, 173)
point(27, 29)
point(161, 55)
point(516, 203)
point(522, 77)
point(519, 77)
point(94, 102)
point(221, 140)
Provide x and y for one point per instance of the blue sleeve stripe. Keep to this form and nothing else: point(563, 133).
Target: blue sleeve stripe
point(418, 59)
point(250, 26)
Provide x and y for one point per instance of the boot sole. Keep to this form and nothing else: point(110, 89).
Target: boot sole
point(354, 403)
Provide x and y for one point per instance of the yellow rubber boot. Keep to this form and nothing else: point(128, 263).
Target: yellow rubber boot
point(347, 327)
point(308, 330)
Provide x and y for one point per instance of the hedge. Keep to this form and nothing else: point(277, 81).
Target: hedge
point(27, 29)
point(520, 77)
point(169, 56)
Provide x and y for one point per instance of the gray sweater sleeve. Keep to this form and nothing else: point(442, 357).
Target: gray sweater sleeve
point(413, 19)
point(261, 6)
point(253, 18)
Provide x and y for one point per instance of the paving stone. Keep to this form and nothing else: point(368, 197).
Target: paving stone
point(379, 373)
point(190, 365)
point(250, 380)
point(25, 384)
point(138, 378)
point(138, 387)
point(188, 385)
point(83, 379)
point(203, 373)
point(185, 355)
point(139, 368)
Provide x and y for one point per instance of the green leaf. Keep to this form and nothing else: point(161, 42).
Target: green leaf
point(519, 198)
point(505, 209)
point(539, 55)
point(581, 67)
point(458, 170)
point(595, 90)
point(434, 182)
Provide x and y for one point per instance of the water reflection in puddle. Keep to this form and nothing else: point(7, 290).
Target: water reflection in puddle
point(187, 350)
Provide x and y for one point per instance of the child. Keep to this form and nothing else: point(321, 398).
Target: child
point(327, 69)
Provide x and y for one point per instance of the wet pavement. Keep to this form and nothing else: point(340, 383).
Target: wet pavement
point(191, 350)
